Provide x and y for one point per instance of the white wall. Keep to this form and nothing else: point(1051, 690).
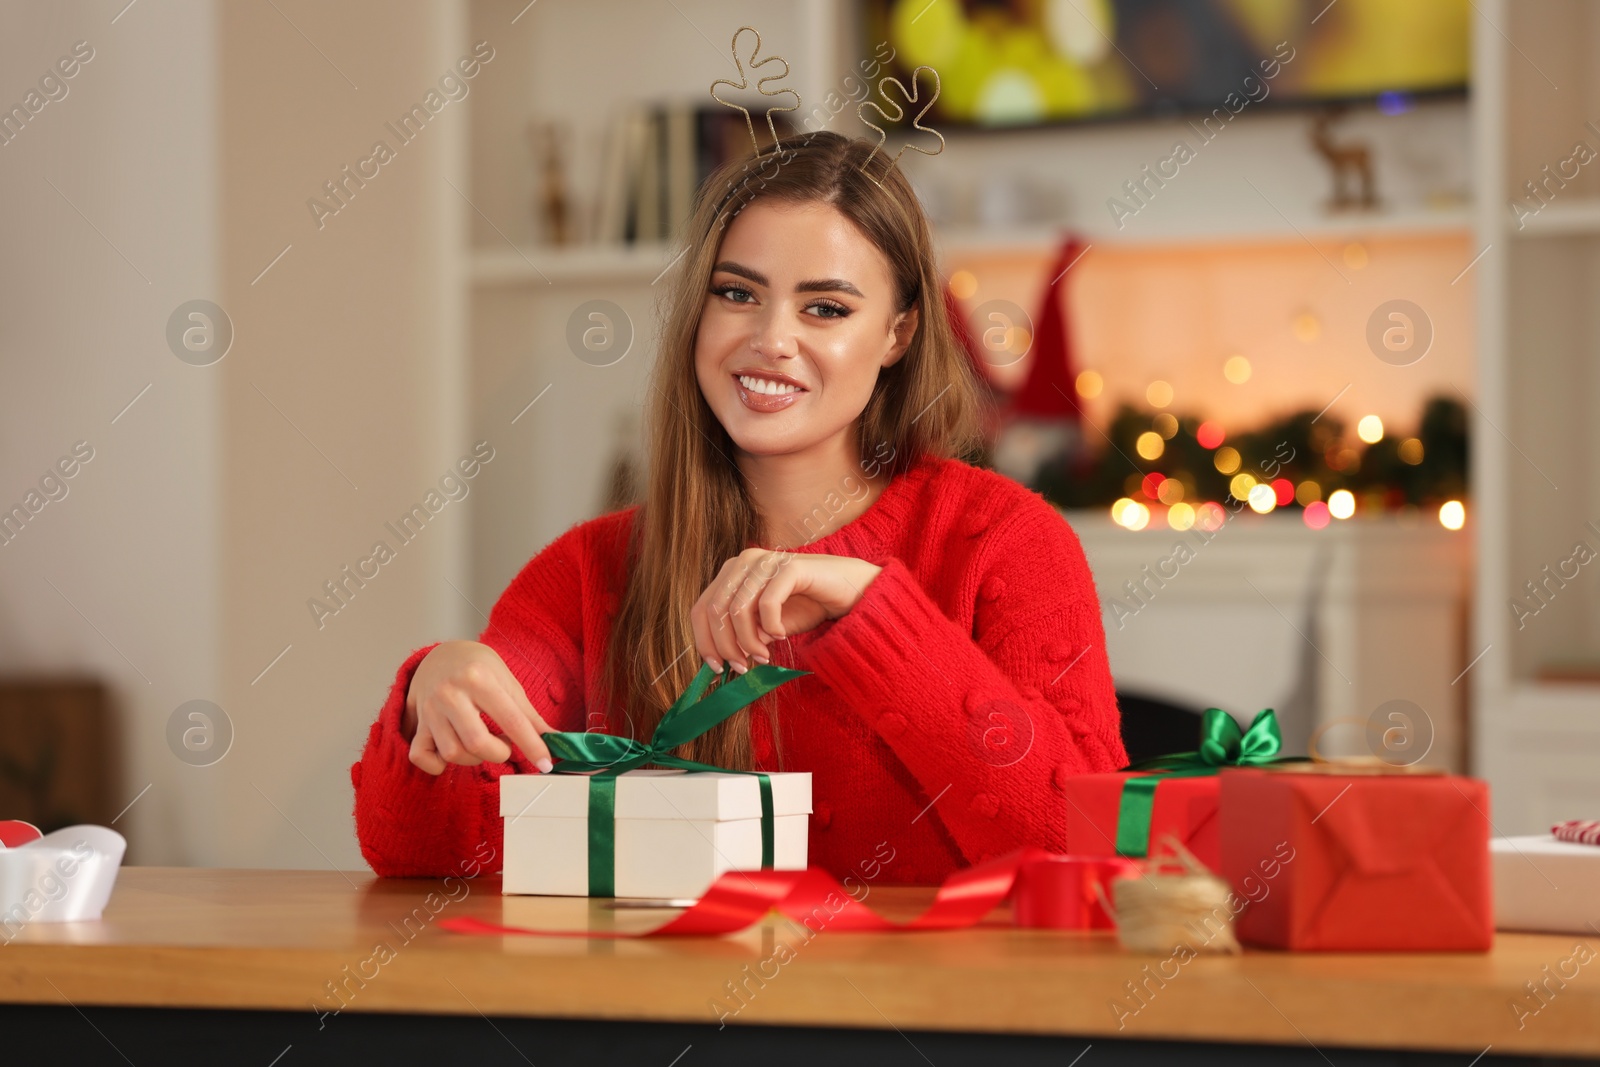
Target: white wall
point(344, 399)
point(217, 504)
point(132, 551)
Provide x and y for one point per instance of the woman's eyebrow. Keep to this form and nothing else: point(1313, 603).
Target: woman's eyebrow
point(815, 285)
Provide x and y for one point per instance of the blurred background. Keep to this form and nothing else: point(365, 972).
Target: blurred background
point(319, 320)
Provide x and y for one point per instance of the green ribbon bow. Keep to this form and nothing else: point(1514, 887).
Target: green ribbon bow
point(607, 755)
point(1222, 744)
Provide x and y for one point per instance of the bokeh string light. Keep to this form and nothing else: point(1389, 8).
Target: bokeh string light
point(1305, 461)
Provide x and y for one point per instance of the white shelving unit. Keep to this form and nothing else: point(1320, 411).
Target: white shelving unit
point(513, 265)
point(508, 266)
point(1536, 470)
point(1563, 218)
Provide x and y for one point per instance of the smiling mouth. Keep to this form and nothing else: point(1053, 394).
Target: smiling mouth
point(766, 387)
point(764, 396)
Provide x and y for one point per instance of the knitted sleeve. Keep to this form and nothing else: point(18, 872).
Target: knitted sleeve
point(991, 722)
point(412, 824)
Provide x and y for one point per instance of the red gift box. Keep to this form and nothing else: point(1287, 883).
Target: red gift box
point(1184, 807)
point(1358, 862)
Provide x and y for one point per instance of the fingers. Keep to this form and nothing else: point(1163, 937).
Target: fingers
point(470, 690)
point(466, 740)
point(700, 622)
point(728, 607)
point(423, 753)
point(769, 608)
point(504, 700)
point(714, 638)
point(744, 610)
point(727, 644)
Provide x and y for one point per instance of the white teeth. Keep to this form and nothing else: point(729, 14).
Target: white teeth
point(763, 385)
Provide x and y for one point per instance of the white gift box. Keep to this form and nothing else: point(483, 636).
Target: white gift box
point(676, 831)
point(1544, 885)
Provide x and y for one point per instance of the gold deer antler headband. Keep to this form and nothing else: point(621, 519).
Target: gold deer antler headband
point(911, 96)
point(761, 85)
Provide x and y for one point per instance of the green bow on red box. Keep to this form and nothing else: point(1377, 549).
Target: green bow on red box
point(604, 756)
point(1222, 744)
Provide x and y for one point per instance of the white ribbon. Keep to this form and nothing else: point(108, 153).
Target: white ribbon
point(65, 876)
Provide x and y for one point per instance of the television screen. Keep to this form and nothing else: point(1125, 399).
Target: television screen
point(1031, 62)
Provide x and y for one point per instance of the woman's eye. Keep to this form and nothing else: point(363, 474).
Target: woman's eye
point(730, 290)
point(738, 294)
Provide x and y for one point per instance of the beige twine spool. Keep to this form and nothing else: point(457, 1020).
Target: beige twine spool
point(1158, 911)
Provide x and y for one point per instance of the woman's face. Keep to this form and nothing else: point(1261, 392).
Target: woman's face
point(798, 320)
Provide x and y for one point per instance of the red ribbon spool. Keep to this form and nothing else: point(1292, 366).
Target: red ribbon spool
point(1066, 892)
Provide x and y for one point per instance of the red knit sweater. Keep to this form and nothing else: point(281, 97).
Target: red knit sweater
point(943, 716)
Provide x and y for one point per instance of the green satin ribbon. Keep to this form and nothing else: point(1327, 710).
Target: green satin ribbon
point(692, 714)
point(1222, 744)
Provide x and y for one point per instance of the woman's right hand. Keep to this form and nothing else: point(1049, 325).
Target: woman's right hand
point(452, 685)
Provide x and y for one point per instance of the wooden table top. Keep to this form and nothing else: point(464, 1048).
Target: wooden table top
point(273, 939)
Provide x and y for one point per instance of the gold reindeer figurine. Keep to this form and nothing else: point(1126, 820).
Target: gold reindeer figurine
point(1346, 161)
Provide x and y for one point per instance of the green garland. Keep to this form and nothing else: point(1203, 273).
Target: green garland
point(1298, 447)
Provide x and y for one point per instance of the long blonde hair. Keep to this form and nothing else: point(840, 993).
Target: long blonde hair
point(696, 513)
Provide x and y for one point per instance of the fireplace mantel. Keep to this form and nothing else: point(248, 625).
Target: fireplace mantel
point(1320, 625)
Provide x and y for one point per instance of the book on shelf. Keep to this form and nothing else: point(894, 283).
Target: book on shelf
point(1582, 671)
point(655, 157)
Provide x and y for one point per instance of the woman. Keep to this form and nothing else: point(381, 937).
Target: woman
point(806, 506)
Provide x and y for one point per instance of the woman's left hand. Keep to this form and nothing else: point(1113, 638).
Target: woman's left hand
point(761, 596)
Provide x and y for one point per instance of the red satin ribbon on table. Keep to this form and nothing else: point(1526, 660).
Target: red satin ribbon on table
point(739, 899)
